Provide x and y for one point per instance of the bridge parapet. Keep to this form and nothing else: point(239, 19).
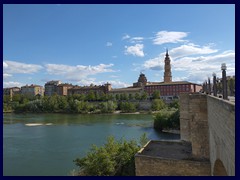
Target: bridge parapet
point(208, 123)
point(221, 121)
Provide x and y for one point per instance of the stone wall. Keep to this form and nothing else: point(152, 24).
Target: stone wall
point(184, 117)
point(208, 123)
point(145, 105)
point(156, 166)
point(194, 123)
point(221, 120)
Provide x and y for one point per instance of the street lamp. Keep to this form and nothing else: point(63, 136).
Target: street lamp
point(224, 80)
point(214, 84)
point(224, 67)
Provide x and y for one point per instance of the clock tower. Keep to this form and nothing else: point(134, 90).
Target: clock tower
point(167, 69)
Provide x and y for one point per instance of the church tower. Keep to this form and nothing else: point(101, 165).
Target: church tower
point(167, 69)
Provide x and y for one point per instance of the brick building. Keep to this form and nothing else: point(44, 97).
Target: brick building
point(32, 90)
point(86, 89)
point(168, 89)
point(62, 89)
point(51, 87)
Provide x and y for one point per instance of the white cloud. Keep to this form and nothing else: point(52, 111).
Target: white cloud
point(5, 75)
point(119, 84)
point(163, 37)
point(136, 39)
point(113, 76)
point(190, 49)
point(5, 65)
point(115, 84)
point(154, 64)
point(201, 67)
point(125, 37)
point(77, 73)
point(109, 44)
point(12, 84)
point(13, 67)
point(136, 50)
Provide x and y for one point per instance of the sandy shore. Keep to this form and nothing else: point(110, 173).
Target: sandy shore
point(37, 124)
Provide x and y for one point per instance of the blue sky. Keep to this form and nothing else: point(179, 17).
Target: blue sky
point(83, 44)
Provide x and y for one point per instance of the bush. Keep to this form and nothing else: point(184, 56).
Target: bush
point(115, 158)
point(107, 107)
point(167, 119)
point(127, 107)
point(157, 104)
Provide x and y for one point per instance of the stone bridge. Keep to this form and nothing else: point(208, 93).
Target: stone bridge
point(207, 123)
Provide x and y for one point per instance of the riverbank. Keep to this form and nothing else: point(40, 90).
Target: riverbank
point(94, 113)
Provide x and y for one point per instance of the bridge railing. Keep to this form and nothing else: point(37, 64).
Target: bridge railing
point(220, 87)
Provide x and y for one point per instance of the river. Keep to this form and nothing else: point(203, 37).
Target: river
point(47, 144)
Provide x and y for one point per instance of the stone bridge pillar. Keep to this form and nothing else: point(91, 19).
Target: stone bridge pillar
point(194, 123)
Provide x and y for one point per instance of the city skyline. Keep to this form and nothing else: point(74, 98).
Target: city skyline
point(84, 44)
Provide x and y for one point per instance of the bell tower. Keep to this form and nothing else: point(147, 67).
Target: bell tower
point(167, 69)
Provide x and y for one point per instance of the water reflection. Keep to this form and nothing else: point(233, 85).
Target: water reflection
point(59, 138)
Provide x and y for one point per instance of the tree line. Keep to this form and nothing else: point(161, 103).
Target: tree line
point(78, 103)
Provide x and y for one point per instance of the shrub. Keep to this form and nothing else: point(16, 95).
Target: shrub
point(115, 158)
point(167, 119)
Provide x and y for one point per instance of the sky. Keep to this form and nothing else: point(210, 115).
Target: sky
point(84, 44)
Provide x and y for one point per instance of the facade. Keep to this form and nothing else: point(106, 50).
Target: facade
point(142, 81)
point(129, 90)
point(62, 89)
point(51, 87)
point(86, 89)
point(169, 90)
point(11, 91)
point(32, 90)
point(172, 90)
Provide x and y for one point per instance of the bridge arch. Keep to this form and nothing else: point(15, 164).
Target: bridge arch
point(219, 169)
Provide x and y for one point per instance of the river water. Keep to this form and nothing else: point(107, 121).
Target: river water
point(47, 144)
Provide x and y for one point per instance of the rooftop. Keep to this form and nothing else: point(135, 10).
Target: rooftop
point(168, 149)
point(169, 83)
point(125, 89)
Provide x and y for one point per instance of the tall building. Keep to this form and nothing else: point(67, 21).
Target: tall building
point(51, 87)
point(167, 69)
point(142, 81)
point(170, 90)
point(86, 89)
point(11, 91)
point(62, 89)
point(32, 90)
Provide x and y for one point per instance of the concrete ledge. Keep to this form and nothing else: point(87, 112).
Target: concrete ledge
point(169, 158)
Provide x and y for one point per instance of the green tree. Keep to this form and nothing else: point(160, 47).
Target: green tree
point(91, 96)
point(16, 97)
point(123, 96)
point(6, 98)
point(144, 96)
point(157, 104)
point(130, 96)
point(62, 103)
point(117, 97)
point(156, 94)
point(127, 107)
point(167, 119)
point(107, 107)
point(115, 158)
point(174, 104)
point(137, 96)
point(143, 139)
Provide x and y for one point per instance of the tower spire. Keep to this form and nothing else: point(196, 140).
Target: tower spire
point(167, 69)
point(167, 52)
